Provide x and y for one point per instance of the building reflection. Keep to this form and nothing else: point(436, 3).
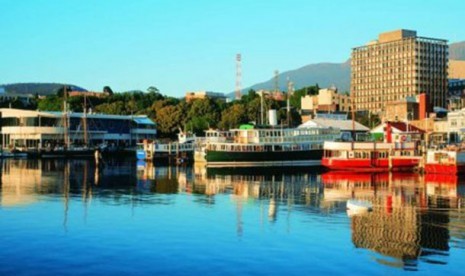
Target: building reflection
point(410, 217)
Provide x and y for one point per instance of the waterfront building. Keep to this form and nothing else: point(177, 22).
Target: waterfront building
point(456, 94)
point(456, 125)
point(397, 65)
point(402, 110)
point(195, 95)
point(35, 129)
point(327, 100)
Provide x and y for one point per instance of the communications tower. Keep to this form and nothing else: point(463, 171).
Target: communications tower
point(238, 76)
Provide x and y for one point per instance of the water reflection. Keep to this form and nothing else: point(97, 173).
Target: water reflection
point(411, 216)
point(415, 218)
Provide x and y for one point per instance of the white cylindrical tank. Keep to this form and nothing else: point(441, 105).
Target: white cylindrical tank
point(273, 117)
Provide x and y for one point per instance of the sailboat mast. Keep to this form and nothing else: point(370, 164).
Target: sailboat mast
point(65, 118)
point(289, 92)
point(84, 123)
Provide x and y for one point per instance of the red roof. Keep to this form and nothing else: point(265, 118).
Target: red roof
point(403, 127)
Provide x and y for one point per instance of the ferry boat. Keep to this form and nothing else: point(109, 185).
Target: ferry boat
point(371, 156)
point(450, 160)
point(249, 146)
point(181, 150)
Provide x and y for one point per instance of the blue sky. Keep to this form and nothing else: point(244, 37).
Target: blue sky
point(180, 45)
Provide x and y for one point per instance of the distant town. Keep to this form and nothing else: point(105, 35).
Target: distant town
point(399, 77)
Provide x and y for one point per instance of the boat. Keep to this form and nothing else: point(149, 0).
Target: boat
point(66, 149)
point(249, 146)
point(449, 160)
point(180, 151)
point(371, 156)
point(395, 153)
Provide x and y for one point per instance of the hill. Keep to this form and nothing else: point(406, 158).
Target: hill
point(323, 74)
point(42, 89)
point(457, 51)
point(327, 74)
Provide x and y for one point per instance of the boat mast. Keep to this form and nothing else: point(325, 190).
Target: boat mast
point(289, 91)
point(65, 118)
point(84, 121)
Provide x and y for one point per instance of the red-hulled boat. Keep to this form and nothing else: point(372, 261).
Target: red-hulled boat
point(370, 156)
point(446, 161)
point(399, 154)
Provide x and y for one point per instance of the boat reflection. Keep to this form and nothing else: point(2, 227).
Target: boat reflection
point(414, 218)
point(411, 214)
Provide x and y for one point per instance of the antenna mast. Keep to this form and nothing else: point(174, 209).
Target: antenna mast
point(276, 81)
point(290, 86)
point(238, 76)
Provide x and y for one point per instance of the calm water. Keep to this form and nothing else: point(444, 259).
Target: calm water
point(66, 217)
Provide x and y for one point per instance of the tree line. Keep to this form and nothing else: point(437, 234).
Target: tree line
point(171, 114)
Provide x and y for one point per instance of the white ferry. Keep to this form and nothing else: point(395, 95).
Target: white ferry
point(249, 146)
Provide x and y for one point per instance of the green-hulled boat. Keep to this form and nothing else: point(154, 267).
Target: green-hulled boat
point(246, 147)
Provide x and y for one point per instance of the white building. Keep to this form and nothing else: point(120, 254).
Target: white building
point(26, 128)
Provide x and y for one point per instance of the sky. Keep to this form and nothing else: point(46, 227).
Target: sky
point(190, 45)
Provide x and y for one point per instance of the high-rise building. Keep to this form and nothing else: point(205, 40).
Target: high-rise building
point(397, 65)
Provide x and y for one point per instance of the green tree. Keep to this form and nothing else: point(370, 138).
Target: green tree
point(107, 89)
point(296, 97)
point(50, 103)
point(153, 89)
point(233, 116)
point(251, 95)
point(207, 109)
point(169, 120)
point(116, 108)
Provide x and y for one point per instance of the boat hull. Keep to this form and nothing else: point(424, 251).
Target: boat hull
point(445, 168)
point(269, 158)
point(369, 165)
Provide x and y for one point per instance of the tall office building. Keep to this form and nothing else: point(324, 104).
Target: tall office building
point(397, 65)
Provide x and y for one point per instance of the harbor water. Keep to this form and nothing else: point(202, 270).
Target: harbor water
point(60, 217)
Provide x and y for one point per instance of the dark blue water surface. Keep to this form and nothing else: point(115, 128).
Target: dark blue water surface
point(67, 217)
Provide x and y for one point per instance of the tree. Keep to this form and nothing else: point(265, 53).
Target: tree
point(207, 109)
point(153, 89)
point(296, 97)
point(169, 120)
point(254, 109)
point(60, 91)
point(50, 103)
point(107, 89)
point(251, 95)
point(116, 108)
point(233, 116)
point(198, 125)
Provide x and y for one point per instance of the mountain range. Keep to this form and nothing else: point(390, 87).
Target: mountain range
point(42, 89)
